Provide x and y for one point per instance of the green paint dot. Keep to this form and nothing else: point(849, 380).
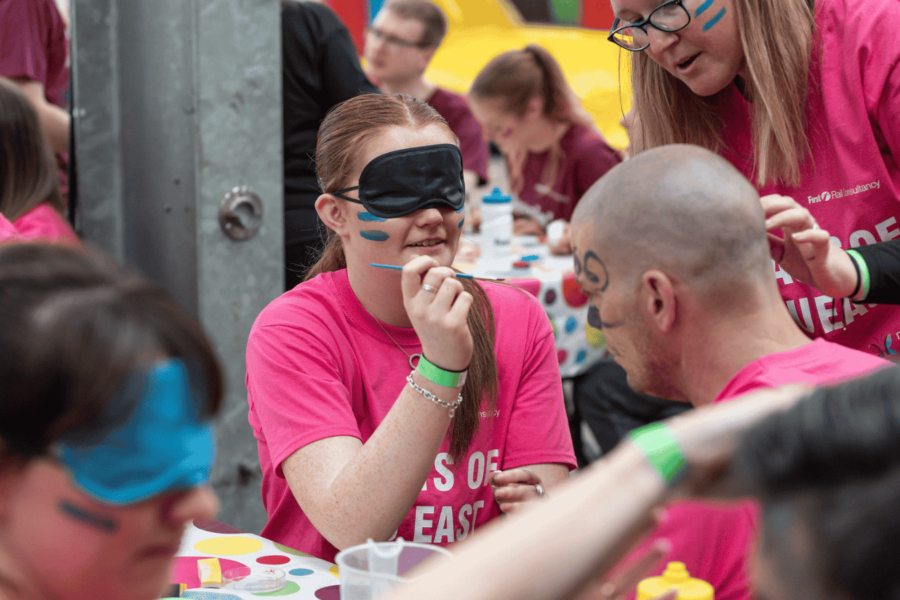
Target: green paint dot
point(287, 550)
point(290, 588)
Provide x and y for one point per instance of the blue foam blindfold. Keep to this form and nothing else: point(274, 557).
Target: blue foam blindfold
point(163, 444)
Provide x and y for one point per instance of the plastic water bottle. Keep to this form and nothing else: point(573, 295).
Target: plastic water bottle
point(496, 230)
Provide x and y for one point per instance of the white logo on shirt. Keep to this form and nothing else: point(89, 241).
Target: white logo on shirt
point(835, 194)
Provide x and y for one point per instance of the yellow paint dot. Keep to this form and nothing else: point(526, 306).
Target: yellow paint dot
point(334, 570)
point(228, 546)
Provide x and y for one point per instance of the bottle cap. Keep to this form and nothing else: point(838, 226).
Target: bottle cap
point(676, 577)
point(496, 197)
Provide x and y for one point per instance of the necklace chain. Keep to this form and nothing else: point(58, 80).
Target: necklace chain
point(390, 337)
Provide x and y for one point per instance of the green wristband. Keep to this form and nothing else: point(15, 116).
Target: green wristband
point(435, 374)
point(661, 448)
point(863, 270)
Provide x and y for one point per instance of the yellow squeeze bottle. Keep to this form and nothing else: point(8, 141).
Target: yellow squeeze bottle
point(675, 577)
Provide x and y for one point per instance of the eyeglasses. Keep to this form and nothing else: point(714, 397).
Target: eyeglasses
point(392, 39)
point(669, 17)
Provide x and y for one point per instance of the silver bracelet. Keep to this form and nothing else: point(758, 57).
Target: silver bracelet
point(451, 406)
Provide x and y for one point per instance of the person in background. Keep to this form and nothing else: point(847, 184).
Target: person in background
point(553, 152)
point(29, 185)
point(384, 402)
point(320, 69)
point(105, 440)
point(803, 100)
point(671, 248)
point(34, 56)
point(400, 43)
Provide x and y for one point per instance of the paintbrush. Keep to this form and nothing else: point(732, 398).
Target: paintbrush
point(459, 275)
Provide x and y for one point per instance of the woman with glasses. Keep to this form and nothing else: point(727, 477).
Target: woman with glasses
point(553, 152)
point(383, 400)
point(803, 97)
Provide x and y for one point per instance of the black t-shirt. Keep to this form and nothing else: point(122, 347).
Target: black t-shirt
point(320, 69)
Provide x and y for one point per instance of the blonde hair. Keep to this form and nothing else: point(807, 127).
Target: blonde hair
point(778, 41)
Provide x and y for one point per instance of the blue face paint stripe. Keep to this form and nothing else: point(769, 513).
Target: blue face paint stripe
point(88, 517)
point(461, 208)
point(374, 235)
point(369, 217)
point(714, 20)
point(702, 8)
point(460, 226)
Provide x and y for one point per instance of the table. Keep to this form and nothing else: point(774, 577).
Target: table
point(552, 280)
point(308, 577)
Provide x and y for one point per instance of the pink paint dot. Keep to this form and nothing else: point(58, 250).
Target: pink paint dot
point(562, 355)
point(273, 560)
point(332, 592)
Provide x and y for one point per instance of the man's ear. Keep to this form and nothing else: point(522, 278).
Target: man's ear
point(333, 213)
point(659, 299)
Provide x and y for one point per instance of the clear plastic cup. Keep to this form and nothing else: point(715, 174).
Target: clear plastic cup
point(254, 579)
point(370, 570)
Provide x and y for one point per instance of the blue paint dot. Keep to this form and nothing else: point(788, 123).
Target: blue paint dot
point(198, 595)
point(571, 324)
point(702, 8)
point(460, 224)
point(374, 235)
point(300, 572)
point(714, 20)
point(579, 358)
point(369, 217)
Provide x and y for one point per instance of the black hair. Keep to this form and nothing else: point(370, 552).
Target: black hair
point(74, 328)
point(833, 463)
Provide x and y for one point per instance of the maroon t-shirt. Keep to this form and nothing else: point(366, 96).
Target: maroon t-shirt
point(586, 157)
point(33, 45)
point(455, 111)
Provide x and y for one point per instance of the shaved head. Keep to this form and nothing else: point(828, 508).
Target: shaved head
point(680, 209)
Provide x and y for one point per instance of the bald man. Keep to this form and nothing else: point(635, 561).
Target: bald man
point(671, 247)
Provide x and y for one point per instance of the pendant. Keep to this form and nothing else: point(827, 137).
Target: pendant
point(414, 356)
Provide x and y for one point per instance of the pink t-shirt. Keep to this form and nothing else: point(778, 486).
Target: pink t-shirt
point(586, 158)
point(851, 183)
point(43, 222)
point(318, 366)
point(715, 542)
point(8, 231)
point(33, 45)
point(455, 111)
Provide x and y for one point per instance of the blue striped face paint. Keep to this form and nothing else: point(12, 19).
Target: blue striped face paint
point(460, 226)
point(461, 208)
point(712, 22)
point(368, 217)
point(702, 8)
point(374, 235)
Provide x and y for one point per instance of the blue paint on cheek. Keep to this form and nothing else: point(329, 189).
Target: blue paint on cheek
point(712, 22)
point(369, 217)
point(374, 235)
point(460, 224)
point(702, 8)
point(461, 208)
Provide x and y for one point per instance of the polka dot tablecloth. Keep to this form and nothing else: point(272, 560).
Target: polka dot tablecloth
point(308, 578)
point(552, 280)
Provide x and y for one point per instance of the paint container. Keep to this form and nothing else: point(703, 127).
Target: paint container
point(210, 572)
point(371, 570)
point(675, 577)
point(496, 230)
point(255, 580)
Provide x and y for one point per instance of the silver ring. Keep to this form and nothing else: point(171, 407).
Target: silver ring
point(428, 288)
point(540, 490)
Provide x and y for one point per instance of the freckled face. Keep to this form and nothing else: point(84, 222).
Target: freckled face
point(706, 55)
point(396, 241)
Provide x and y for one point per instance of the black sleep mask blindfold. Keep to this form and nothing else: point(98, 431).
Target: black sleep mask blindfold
point(403, 181)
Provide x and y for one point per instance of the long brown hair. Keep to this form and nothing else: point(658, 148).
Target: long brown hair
point(343, 138)
point(777, 39)
point(28, 172)
point(517, 76)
